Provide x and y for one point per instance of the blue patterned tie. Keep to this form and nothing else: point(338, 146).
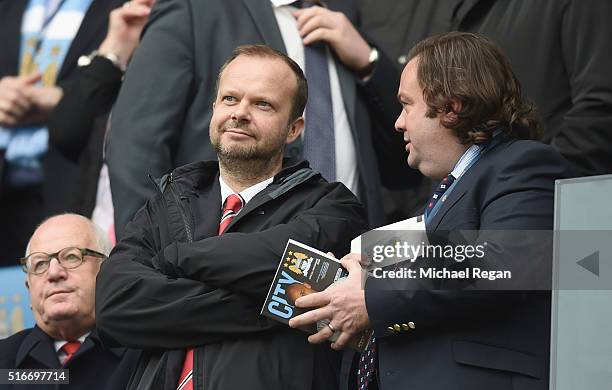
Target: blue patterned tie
point(446, 182)
point(367, 366)
point(319, 142)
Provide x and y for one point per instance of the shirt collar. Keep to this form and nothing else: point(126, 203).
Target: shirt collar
point(280, 3)
point(60, 343)
point(465, 161)
point(246, 194)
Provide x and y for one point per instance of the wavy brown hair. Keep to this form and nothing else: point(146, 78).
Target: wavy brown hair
point(471, 70)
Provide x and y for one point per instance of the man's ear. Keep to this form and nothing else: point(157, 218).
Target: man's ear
point(452, 109)
point(295, 130)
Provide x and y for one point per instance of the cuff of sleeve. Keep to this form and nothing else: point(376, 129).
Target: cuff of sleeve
point(103, 70)
point(384, 307)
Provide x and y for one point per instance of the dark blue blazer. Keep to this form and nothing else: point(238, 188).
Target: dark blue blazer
point(92, 366)
point(475, 339)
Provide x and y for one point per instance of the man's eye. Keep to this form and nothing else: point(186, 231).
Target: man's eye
point(229, 99)
point(263, 104)
point(39, 265)
point(72, 258)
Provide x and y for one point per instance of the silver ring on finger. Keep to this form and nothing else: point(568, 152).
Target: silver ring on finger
point(331, 328)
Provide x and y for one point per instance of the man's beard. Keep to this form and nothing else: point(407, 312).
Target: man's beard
point(248, 159)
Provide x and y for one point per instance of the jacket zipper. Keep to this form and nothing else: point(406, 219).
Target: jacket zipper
point(180, 208)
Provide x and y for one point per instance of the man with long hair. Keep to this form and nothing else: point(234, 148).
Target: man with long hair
point(465, 124)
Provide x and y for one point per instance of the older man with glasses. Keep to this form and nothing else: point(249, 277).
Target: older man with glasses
point(62, 261)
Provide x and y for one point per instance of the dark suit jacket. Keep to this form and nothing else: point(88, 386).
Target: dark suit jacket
point(164, 107)
point(92, 366)
point(475, 339)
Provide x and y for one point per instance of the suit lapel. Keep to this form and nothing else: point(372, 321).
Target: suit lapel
point(452, 199)
point(263, 17)
point(38, 346)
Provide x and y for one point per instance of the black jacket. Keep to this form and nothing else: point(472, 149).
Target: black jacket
point(172, 283)
point(477, 339)
point(92, 366)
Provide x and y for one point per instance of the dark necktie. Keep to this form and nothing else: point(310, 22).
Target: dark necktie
point(233, 204)
point(367, 366)
point(70, 349)
point(446, 182)
point(319, 139)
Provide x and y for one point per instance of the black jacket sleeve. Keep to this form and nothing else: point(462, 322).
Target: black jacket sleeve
point(380, 94)
point(87, 95)
point(138, 306)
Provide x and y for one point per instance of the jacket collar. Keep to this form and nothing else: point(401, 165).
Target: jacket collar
point(201, 174)
point(39, 346)
point(199, 182)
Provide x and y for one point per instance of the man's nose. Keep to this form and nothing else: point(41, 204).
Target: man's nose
point(241, 111)
point(400, 124)
point(56, 271)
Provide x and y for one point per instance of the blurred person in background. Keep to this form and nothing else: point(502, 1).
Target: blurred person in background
point(77, 125)
point(41, 43)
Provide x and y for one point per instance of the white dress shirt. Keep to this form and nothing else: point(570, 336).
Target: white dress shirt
point(246, 194)
point(61, 355)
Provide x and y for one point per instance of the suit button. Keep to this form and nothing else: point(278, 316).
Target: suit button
point(411, 325)
point(397, 327)
point(405, 327)
point(390, 328)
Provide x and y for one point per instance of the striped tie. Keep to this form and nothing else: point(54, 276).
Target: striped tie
point(233, 204)
point(70, 349)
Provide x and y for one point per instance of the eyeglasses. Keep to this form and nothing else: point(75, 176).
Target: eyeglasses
point(38, 262)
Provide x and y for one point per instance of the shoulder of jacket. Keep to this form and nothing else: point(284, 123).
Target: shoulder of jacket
point(294, 179)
